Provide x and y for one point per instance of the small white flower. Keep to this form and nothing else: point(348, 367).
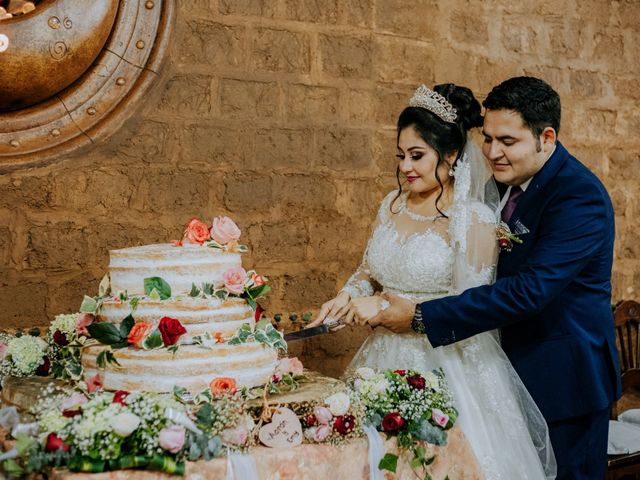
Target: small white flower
point(381, 386)
point(338, 403)
point(431, 380)
point(365, 373)
point(125, 423)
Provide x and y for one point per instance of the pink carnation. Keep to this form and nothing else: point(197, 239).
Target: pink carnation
point(84, 320)
point(224, 230)
point(439, 417)
point(234, 279)
point(172, 438)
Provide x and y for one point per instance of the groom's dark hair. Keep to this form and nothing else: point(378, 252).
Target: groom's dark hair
point(532, 98)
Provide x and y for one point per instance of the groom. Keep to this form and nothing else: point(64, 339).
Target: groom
point(552, 295)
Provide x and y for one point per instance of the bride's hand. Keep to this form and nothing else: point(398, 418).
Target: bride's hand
point(334, 308)
point(363, 309)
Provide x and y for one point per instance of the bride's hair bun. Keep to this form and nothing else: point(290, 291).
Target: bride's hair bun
point(467, 107)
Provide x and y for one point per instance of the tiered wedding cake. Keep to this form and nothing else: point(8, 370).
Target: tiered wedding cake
point(204, 285)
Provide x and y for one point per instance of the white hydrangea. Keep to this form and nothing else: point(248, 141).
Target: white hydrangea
point(66, 323)
point(26, 353)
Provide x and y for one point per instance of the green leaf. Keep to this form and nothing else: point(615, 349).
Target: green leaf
point(12, 468)
point(157, 283)
point(222, 294)
point(133, 303)
point(182, 394)
point(173, 348)
point(105, 358)
point(242, 335)
point(126, 325)
point(195, 291)
point(416, 462)
point(242, 248)
point(257, 292)
point(105, 332)
point(154, 294)
point(252, 303)
point(389, 462)
point(207, 288)
point(205, 340)
point(105, 286)
point(153, 341)
point(23, 442)
point(123, 296)
point(89, 305)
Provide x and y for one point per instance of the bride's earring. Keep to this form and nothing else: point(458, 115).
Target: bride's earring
point(451, 172)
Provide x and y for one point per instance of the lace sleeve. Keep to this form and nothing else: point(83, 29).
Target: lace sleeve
point(477, 249)
point(360, 284)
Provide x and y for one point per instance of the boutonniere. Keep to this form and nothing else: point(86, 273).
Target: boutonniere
point(506, 239)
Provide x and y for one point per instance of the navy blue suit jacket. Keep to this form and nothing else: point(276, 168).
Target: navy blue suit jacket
point(552, 296)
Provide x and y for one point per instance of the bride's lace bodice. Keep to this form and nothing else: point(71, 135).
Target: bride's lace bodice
point(414, 256)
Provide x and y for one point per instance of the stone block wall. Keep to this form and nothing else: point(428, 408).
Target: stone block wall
point(281, 113)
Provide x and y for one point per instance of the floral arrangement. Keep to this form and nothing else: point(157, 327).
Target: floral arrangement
point(506, 238)
point(409, 405)
point(223, 234)
point(120, 430)
point(335, 420)
point(65, 336)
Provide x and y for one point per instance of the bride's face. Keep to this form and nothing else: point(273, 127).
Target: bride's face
point(418, 161)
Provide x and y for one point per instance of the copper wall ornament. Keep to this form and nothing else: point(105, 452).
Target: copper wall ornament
point(71, 72)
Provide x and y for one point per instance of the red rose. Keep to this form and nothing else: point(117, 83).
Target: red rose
point(416, 381)
point(504, 243)
point(43, 369)
point(402, 373)
point(344, 424)
point(119, 397)
point(54, 442)
point(309, 420)
point(171, 330)
point(392, 422)
point(258, 313)
point(60, 338)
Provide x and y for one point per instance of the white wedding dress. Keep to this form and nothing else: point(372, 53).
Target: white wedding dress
point(415, 257)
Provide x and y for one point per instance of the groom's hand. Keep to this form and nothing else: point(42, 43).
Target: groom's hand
point(397, 316)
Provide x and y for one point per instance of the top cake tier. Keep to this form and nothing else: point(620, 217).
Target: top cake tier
point(179, 266)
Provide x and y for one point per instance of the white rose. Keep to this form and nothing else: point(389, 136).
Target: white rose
point(365, 373)
point(381, 386)
point(338, 403)
point(125, 423)
point(431, 380)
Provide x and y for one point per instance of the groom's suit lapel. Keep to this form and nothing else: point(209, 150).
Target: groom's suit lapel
point(530, 198)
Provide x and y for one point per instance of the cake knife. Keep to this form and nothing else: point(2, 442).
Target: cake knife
point(328, 327)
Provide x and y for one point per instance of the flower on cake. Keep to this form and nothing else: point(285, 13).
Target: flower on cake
point(235, 279)
point(83, 321)
point(223, 234)
point(94, 383)
point(139, 333)
point(223, 385)
point(224, 230)
point(171, 330)
point(196, 232)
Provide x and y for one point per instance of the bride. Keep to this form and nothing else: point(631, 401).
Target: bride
point(435, 236)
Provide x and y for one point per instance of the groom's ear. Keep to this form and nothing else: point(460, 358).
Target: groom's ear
point(548, 139)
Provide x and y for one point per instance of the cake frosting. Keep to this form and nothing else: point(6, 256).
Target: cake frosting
point(196, 273)
point(180, 266)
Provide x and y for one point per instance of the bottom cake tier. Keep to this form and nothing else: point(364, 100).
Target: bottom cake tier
point(192, 367)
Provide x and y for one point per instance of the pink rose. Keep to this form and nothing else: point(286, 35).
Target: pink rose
point(84, 320)
point(74, 400)
point(323, 415)
point(235, 436)
point(289, 365)
point(3, 351)
point(322, 433)
point(234, 279)
point(439, 417)
point(258, 280)
point(94, 383)
point(224, 230)
point(172, 438)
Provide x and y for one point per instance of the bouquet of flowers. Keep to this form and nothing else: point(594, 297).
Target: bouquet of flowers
point(412, 406)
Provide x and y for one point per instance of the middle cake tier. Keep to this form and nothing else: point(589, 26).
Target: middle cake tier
point(197, 315)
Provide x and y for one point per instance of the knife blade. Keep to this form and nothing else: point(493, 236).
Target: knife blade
point(328, 327)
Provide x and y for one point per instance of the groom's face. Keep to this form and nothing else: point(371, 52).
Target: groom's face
point(511, 148)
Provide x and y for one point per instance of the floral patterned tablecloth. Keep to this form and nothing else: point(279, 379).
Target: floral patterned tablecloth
point(321, 462)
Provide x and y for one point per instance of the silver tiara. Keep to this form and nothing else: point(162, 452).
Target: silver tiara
point(434, 102)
